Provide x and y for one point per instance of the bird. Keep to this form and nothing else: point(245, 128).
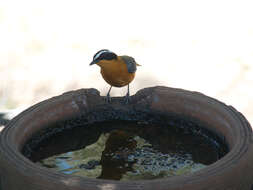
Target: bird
point(117, 71)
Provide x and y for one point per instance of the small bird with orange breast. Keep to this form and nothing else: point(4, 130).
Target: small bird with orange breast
point(118, 71)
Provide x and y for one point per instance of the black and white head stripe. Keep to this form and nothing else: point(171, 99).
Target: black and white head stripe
point(99, 53)
point(104, 54)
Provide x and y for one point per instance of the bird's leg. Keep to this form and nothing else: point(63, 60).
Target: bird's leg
point(108, 97)
point(127, 97)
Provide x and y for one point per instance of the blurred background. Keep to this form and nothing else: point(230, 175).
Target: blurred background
point(206, 46)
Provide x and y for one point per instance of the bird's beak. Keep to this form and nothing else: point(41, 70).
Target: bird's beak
point(93, 62)
point(138, 64)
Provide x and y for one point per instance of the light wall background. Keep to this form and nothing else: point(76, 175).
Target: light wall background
point(199, 45)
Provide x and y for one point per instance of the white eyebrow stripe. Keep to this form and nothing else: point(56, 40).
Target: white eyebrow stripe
point(101, 52)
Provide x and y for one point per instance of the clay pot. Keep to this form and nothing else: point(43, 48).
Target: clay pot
point(233, 171)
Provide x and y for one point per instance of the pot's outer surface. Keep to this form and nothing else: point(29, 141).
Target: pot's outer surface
point(234, 171)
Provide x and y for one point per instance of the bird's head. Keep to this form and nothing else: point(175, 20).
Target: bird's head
point(102, 56)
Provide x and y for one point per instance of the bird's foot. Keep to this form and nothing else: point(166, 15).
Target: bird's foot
point(127, 98)
point(108, 99)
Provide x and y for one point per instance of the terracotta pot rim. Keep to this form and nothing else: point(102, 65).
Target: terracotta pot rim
point(162, 99)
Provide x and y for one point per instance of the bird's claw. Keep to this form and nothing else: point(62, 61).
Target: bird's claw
point(108, 99)
point(127, 98)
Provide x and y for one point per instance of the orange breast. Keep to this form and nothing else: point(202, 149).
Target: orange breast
point(116, 74)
